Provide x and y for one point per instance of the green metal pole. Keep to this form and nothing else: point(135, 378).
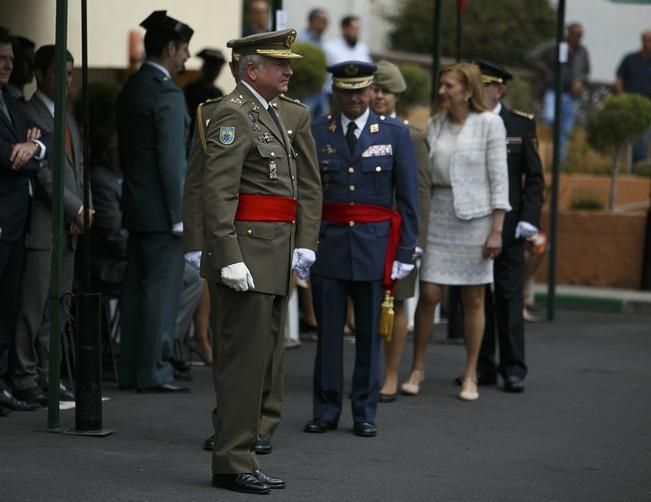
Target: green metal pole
point(436, 49)
point(556, 164)
point(56, 161)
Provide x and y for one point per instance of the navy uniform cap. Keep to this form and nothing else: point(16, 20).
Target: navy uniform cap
point(214, 55)
point(160, 21)
point(492, 73)
point(349, 75)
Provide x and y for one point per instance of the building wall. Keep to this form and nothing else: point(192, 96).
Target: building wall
point(109, 22)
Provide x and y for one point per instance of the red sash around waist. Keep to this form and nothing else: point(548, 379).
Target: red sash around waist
point(367, 213)
point(266, 208)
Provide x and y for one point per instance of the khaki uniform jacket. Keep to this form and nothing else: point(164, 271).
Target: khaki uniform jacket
point(244, 152)
point(421, 149)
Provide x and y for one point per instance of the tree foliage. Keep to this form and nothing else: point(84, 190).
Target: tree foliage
point(418, 87)
point(621, 119)
point(499, 30)
point(309, 72)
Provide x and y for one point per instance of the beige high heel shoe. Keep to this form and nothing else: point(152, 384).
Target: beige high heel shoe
point(469, 390)
point(412, 386)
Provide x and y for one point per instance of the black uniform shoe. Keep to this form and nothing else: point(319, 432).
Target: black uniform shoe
point(364, 429)
point(513, 384)
point(262, 446)
point(209, 443)
point(9, 402)
point(243, 482)
point(319, 426)
point(272, 482)
point(4, 411)
point(165, 388)
point(180, 366)
point(387, 398)
point(33, 395)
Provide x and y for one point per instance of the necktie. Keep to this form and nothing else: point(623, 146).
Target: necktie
point(276, 120)
point(4, 109)
point(351, 139)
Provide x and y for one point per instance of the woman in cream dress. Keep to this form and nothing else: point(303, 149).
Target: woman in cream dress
point(469, 199)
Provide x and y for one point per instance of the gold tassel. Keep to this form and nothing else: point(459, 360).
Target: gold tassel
point(386, 317)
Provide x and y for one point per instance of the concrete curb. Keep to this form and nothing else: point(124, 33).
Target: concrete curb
point(610, 300)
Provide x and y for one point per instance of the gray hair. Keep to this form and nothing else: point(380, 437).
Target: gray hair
point(244, 63)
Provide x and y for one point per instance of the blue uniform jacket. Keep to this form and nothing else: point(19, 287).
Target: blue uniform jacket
point(381, 171)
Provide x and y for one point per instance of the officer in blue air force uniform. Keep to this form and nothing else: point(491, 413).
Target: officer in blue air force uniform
point(367, 163)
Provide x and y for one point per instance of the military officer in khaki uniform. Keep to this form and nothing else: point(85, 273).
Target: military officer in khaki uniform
point(296, 119)
point(388, 85)
point(253, 219)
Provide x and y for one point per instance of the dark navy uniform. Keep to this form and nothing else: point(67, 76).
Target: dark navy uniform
point(351, 255)
point(504, 308)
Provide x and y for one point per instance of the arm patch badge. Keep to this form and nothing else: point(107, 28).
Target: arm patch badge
point(226, 135)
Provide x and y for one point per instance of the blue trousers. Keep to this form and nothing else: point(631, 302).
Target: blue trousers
point(569, 107)
point(330, 299)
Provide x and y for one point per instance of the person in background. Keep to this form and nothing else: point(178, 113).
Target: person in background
point(204, 88)
point(575, 77)
point(317, 22)
point(21, 153)
point(258, 18)
point(23, 72)
point(388, 85)
point(504, 305)
point(152, 129)
point(367, 167)
point(634, 76)
point(470, 194)
point(31, 355)
point(347, 47)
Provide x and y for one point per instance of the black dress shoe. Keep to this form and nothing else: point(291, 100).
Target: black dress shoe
point(33, 395)
point(272, 482)
point(209, 443)
point(166, 388)
point(482, 379)
point(180, 366)
point(65, 394)
point(319, 426)
point(387, 398)
point(4, 411)
point(364, 429)
point(244, 482)
point(262, 446)
point(513, 384)
point(9, 402)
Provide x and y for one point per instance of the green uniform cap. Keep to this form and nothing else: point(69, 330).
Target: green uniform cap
point(389, 78)
point(273, 44)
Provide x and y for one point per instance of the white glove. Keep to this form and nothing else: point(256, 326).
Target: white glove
point(193, 258)
point(177, 229)
point(237, 276)
point(401, 270)
point(524, 230)
point(302, 260)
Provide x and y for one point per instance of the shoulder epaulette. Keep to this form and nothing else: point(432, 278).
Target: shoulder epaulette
point(201, 125)
point(523, 114)
point(237, 100)
point(292, 100)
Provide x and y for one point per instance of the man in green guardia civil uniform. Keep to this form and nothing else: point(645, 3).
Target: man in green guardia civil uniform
point(296, 120)
point(152, 122)
point(260, 216)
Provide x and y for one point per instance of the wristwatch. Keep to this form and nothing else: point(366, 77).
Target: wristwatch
point(38, 148)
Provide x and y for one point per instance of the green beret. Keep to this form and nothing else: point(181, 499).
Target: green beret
point(389, 78)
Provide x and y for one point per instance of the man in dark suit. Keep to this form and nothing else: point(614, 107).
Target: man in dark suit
point(30, 360)
point(367, 164)
point(20, 155)
point(504, 306)
point(152, 125)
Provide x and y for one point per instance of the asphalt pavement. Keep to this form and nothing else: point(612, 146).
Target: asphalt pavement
point(580, 432)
